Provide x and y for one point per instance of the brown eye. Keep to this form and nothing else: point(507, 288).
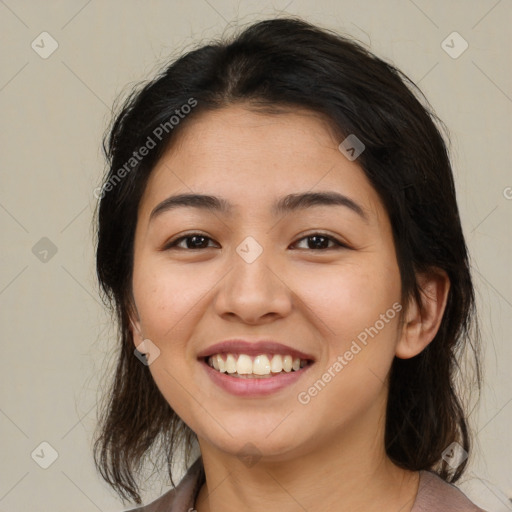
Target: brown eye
point(318, 241)
point(196, 242)
point(193, 241)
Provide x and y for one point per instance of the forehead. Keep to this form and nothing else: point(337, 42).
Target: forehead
point(251, 157)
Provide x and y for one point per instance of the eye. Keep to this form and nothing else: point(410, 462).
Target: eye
point(315, 241)
point(191, 241)
point(319, 241)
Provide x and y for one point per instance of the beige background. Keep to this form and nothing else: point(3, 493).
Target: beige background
point(55, 335)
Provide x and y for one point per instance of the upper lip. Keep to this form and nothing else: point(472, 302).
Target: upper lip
point(252, 348)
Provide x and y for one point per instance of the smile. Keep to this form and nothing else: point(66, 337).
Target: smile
point(254, 377)
point(260, 366)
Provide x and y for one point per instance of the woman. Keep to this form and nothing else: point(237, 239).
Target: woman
point(279, 234)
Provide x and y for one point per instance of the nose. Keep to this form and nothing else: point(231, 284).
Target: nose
point(253, 293)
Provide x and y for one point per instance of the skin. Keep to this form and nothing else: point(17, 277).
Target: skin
point(327, 454)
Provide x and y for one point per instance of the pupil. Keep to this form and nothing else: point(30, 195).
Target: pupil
point(196, 241)
point(318, 242)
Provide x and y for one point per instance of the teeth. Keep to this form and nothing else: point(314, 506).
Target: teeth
point(276, 365)
point(230, 363)
point(243, 365)
point(261, 365)
point(220, 363)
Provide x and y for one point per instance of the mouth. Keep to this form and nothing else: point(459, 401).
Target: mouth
point(256, 368)
point(261, 366)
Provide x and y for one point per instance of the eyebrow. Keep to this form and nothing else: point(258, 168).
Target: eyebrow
point(201, 201)
point(294, 202)
point(287, 204)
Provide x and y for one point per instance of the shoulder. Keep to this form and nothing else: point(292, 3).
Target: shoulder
point(435, 494)
point(180, 499)
point(161, 504)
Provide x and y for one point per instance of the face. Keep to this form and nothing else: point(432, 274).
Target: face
point(290, 260)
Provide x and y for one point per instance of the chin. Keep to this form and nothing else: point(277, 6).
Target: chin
point(250, 440)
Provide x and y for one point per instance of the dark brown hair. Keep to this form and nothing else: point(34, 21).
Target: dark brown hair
point(289, 63)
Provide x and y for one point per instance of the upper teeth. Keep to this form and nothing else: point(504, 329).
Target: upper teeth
point(260, 365)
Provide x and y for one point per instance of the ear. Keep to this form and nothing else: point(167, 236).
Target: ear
point(422, 321)
point(135, 325)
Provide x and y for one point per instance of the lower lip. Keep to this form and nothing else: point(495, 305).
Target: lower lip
point(252, 387)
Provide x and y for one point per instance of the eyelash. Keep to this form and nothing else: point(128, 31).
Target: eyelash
point(173, 244)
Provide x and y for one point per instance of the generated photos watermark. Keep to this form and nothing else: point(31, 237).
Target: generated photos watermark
point(351, 147)
point(357, 345)
point(151, 142)
point(146, 352)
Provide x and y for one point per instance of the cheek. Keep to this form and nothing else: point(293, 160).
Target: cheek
point(350, 299)
point(170, 302)
point(169, 298)
point(358, 311)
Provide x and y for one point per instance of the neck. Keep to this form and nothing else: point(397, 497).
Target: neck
point(348, 473)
